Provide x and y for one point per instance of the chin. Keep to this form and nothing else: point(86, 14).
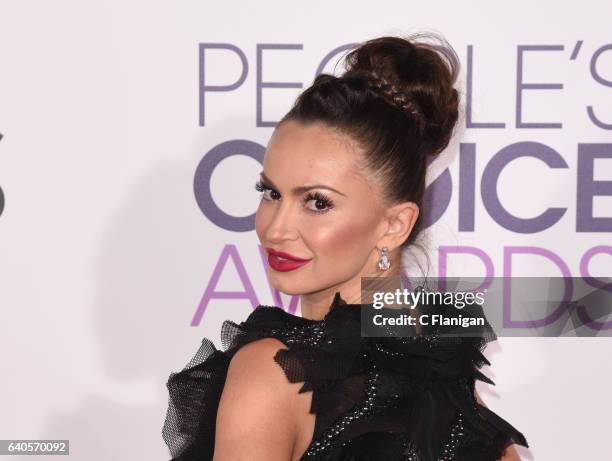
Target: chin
point(282, 283)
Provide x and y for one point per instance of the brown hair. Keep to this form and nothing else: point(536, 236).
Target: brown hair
point(396, 99)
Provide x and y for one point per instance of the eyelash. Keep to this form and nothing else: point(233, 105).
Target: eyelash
point(328, 203)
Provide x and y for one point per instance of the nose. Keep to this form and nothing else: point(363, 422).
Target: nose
point(283, 223)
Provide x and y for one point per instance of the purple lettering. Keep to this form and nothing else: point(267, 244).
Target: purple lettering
point(202, 70)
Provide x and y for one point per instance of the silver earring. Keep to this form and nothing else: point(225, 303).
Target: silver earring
point(384, 262)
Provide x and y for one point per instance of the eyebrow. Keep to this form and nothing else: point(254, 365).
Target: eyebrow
point(301, 189)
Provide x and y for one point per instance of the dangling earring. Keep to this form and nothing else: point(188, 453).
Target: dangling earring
point(384, 262)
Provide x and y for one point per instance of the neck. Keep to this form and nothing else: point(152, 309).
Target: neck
point(315, 305)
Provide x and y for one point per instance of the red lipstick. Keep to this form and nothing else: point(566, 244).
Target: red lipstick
point(284, 262)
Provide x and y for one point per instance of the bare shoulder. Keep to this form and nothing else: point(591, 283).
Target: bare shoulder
point(255, 420)
point(262, 352)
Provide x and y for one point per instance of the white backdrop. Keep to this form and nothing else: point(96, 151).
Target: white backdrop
point(107, 245)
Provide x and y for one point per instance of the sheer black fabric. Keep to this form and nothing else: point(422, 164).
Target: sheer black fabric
point(375, 399)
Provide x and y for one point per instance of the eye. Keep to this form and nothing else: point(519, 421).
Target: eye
point(268, 192)
point(321, 203)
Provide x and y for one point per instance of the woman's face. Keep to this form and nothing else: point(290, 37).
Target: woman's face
point(336, 230)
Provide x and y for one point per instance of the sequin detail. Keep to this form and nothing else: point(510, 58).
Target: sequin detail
point(411, 453)
point(364, 389)
point(449, 449)
point(317, 447)
point(310, 334)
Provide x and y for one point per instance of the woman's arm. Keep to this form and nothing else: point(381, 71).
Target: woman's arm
point(510, 454)
point(255, 421)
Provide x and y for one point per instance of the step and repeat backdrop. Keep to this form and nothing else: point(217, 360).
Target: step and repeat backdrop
point(133, 134)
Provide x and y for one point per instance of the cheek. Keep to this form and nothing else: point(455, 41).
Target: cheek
point(261, 221)
point(338, 240)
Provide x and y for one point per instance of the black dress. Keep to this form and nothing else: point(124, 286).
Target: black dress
point(375, 399)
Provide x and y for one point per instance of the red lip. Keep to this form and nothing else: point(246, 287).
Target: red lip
point(291, 262)
point(284, 255)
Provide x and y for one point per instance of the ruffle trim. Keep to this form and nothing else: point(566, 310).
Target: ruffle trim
point(375, 399)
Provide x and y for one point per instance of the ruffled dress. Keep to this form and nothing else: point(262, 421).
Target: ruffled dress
point(375, 398)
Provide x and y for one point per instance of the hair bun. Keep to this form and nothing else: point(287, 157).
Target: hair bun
point(391, 92)
point(415, 76)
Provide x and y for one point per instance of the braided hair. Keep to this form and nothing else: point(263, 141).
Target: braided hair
point(397, 101)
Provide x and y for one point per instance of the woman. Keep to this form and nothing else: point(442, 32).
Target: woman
point(343, 181)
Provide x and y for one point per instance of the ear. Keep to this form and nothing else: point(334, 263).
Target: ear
point(401, 219)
